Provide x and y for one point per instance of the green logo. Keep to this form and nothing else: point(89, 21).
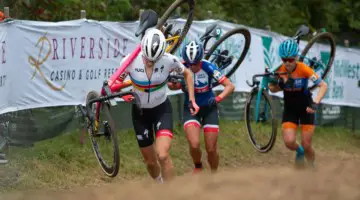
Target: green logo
point(270, 55)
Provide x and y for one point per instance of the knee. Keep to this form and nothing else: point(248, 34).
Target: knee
point(289, 141)
point(211, 150)
point(194, 144)
point(163, 157)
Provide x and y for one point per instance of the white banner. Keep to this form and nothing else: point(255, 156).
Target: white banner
point(5, 69)
point(54, 64)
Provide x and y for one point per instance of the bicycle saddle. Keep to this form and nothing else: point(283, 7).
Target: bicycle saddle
point(302, 30)
point(168, 28)
point(209, 32)
point(148, 19)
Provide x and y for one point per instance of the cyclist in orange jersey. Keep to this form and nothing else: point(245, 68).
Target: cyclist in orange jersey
point(299, 105)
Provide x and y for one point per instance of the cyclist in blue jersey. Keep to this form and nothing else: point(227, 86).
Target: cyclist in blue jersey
point(208, 116)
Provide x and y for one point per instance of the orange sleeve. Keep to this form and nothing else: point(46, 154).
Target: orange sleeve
point(310, 73)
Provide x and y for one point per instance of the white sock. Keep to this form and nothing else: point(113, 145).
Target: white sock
point(159, 179)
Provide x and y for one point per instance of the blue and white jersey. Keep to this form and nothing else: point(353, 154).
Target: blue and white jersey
point(202, 82)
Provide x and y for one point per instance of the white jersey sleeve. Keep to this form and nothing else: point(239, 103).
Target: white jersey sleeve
point(176, 65)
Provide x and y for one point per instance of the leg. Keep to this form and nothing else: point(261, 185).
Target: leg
point(164, 127)
point(211, 130)
point(308, 127)
point(306, 138)
point(192, 131)
point(144, 136)
point(163, 144)
point(289, 135)
point(289, 128)
point(150, 159)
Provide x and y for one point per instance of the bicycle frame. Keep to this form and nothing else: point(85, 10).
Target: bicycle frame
point(263, 86)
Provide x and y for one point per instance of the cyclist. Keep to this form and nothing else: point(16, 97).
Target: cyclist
point(299, 107)
point(149, 73)
point(208, 116)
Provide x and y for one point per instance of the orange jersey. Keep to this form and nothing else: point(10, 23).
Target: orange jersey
point(296, 88)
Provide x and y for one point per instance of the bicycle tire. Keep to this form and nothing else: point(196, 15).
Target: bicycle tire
point(331, 39)
point(270, 144)
point(112, 170)
point(247, 36)
point(188, 23)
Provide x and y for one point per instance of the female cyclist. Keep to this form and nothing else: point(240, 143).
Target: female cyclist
point(299, 107)
point(208, 116)
point(149, 73)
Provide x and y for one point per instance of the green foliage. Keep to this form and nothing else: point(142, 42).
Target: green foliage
point(338, 16)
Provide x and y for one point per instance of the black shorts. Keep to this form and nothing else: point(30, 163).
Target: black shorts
point(298, 115)
point(207, 117)
point(157, 119)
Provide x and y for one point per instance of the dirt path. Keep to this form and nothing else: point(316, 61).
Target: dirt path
point(337, 177)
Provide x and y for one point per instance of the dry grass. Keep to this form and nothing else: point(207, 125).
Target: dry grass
point(63, 163)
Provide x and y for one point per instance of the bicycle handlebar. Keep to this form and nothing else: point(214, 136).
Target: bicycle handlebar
point(114, 95)
point(254, 81)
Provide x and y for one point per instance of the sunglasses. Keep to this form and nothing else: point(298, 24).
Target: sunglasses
point(290, 60)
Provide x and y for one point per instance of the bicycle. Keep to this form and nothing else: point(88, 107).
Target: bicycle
point(221, 58)
point(260, 88)
point(105, 98)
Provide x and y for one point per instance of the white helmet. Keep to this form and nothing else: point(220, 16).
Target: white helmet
point(153, 44)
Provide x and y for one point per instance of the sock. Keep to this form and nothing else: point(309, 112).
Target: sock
point(300, 150)
point(198, 165)
point(159, 179)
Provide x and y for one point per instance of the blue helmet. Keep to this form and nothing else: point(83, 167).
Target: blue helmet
point(193, 52)
point(288, 48)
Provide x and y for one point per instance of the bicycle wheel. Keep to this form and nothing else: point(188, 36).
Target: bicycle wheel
point(106, 154)
point(323, 65)
point(246, 33)
point(189, 20)
point(263, 124)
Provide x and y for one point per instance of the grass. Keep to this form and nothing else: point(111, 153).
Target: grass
point(63, 163)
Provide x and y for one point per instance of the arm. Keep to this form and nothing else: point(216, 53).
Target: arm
point(319, 83)
point(179, 68)
point(228, 89)
point(322, 91)
point(189, 80)
point(223, 80)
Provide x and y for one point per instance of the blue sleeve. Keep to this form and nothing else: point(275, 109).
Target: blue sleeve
point(213, 71)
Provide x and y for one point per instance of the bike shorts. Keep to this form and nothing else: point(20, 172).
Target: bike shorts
point(207, 117)
point(158, 119)
point(294, 116)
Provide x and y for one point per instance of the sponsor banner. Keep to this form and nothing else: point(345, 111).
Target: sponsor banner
point(54, 64)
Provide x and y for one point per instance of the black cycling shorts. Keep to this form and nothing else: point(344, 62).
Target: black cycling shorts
point(298, 115)
point(157, 119)
point(207, 117)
